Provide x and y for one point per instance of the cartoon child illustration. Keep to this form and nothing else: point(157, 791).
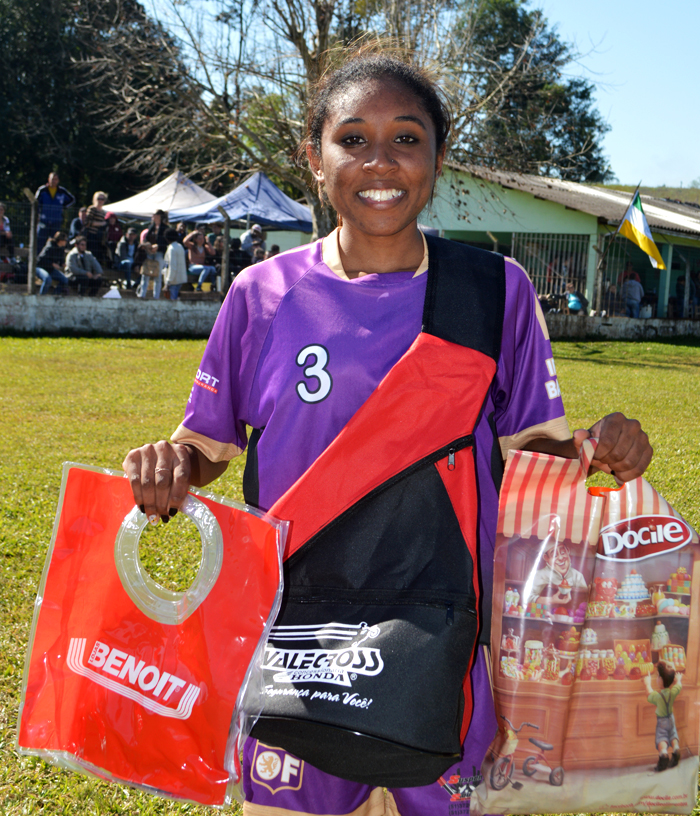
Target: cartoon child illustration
point(553, 583)
point(666, 734)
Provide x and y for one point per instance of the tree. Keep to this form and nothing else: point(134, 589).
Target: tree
point(539, 122)
point(236, 100)
point(48, 123)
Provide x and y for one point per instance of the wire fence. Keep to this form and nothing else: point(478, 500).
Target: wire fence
point(552, 260)
point(19, 214)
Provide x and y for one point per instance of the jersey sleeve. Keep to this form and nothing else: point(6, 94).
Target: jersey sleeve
point(216, 413)
point(526, 391)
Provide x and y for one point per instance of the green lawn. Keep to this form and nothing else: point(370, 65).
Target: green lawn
point(90, 400)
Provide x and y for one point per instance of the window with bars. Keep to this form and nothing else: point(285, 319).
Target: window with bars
point(552, 260)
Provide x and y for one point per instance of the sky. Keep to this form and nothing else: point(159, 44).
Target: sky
point(642, 57)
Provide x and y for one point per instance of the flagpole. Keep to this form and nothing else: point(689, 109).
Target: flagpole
point(599, 281)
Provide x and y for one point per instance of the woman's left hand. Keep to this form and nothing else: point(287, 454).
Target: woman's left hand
point(623, 447)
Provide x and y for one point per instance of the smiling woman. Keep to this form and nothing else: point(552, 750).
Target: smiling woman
point(376, 143)
point(385, 375)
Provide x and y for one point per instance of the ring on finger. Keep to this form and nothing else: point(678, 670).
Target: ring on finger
point(162, 470)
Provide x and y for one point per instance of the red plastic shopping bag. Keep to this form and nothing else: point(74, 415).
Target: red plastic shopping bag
point(595, 646)
point(129, 681)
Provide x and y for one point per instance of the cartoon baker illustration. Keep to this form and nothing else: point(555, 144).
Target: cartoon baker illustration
point(555, 580)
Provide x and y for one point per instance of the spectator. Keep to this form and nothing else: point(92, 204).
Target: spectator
point(84, 268)
point(576, 302)
point(155, 234)
point(238, 259)
point(77, 225)
point(680, 296)
point(151, 268)
point(632, 294)
point(629, 272)
point(215, 233)
point(201, 258)
point(95, 229)
point(258, 255)
point(53, 199)
point(114, 233)
point(181, 229)
point(7, 242)
point(218, 247)
point(175, 264)
point(252, 239)
point(234, 265)
point(140, 255)
point(50, 263)
point(126, 254)
point(272, 251)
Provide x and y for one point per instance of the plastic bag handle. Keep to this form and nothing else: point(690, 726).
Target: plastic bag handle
point(587, 454)
point(153, 600)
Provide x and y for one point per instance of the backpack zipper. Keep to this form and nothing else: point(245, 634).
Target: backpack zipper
point(448, 451)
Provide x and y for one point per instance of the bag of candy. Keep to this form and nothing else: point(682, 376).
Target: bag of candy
point(595, 646)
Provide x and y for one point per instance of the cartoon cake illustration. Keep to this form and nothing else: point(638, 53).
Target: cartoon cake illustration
point(632, 588)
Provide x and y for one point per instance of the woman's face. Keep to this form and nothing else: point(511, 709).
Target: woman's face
point(199, 239)
point(156, 219)
point(378, 157)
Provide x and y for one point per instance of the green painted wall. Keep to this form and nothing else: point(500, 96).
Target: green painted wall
point(463, 204)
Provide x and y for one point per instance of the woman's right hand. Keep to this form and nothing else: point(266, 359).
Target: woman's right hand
point(159, 476)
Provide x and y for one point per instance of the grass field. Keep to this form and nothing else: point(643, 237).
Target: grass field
point(89, 401)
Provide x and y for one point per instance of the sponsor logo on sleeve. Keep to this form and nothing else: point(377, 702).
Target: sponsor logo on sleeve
point(206, 381)
point(122, 673)
point(552, 386)
point(640, 537)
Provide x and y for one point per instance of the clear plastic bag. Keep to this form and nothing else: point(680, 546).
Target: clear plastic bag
point(594, 589)
point(133, 683)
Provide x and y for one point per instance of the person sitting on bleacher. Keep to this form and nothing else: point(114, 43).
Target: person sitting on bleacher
point(84, 268)
point(49, 264)
point(201, 258)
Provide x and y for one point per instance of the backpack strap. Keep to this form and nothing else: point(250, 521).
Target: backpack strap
point(465, 302)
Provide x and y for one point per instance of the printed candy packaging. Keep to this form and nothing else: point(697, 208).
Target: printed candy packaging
point(133, 683)
point(595, 590)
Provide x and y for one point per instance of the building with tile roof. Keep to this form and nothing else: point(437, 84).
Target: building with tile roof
point(558, 230)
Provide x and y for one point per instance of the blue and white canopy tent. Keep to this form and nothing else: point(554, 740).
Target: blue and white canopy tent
point(256, 201)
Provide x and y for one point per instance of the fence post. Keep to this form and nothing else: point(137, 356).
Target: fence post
point(31, 260)
point(225, 258)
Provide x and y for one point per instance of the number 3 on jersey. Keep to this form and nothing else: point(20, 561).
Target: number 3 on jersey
point(317, 372)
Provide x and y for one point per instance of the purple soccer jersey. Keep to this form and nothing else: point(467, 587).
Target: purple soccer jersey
point(296, 349)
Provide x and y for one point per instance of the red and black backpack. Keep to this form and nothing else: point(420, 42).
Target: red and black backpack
point(366, 672)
